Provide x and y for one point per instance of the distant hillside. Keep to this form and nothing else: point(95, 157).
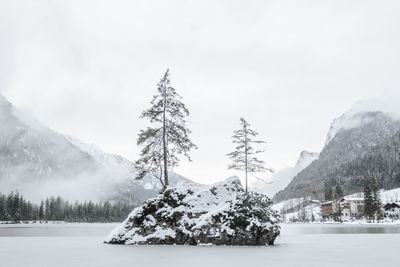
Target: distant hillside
point(29, 151)
point(33, 156)
point(359, 144)
point(280, 179)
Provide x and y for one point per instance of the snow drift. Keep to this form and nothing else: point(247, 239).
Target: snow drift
point(220, 214)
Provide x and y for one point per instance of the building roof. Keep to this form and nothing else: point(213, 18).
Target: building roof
point(392, 205)
point(353, 198)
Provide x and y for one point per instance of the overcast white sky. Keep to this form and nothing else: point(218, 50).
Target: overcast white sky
point(88, 68)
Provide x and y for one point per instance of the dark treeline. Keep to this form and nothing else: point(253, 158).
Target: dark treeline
point(13, 207)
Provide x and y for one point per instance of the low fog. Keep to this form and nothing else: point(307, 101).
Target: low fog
point(95, 186)
point(39, 162)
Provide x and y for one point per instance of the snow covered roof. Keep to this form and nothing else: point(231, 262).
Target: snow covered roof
point(350, 198)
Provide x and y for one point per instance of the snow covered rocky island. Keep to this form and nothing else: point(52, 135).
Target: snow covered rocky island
point(219, 214)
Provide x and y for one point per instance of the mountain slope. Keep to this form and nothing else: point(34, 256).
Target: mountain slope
point(28, 150)
point(359, 138)
point(280, 179)
point(34, 156)
point(142, 189)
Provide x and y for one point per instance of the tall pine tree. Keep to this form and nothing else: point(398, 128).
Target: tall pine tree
point(41, 210)
point(376, 199)
point(328, 191)
point(338, 191)
point(372, 201)
point(369, 206)
point(169, 136)
point(244, 157)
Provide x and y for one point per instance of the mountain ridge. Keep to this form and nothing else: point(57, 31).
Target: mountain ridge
point(280, 179)
point(35, 156)
point(360, 135)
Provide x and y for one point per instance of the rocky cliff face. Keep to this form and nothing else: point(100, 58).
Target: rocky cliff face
point(220, 214)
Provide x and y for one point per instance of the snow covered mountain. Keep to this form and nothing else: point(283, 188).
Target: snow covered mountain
point(34, 156)
point(305, 159)
point(98, 154)
point(280, 179)
point(117, 162)
point(353, 118)
point(358, 144)
point(31, 152)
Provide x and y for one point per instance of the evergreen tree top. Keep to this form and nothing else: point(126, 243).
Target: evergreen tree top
point(168, 137)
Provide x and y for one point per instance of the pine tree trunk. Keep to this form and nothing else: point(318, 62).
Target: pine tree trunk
point(245, 155)
point(246, 181)
point(165, 143)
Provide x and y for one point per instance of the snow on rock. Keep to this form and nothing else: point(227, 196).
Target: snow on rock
point(220, 214)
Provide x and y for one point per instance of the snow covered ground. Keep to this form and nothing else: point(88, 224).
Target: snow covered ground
point(299, 245)
point(292, 209)
point(299, 209)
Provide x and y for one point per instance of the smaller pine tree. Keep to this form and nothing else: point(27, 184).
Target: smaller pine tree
point(244, 157)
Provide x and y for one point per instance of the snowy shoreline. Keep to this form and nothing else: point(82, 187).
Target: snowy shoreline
point(55, 223)
point(343, 223)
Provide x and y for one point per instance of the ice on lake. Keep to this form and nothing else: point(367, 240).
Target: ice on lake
point(299, 245)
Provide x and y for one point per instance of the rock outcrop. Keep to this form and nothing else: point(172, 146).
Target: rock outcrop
point(220, 214)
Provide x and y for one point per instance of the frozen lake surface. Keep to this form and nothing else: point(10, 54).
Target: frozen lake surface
point(298, 245)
